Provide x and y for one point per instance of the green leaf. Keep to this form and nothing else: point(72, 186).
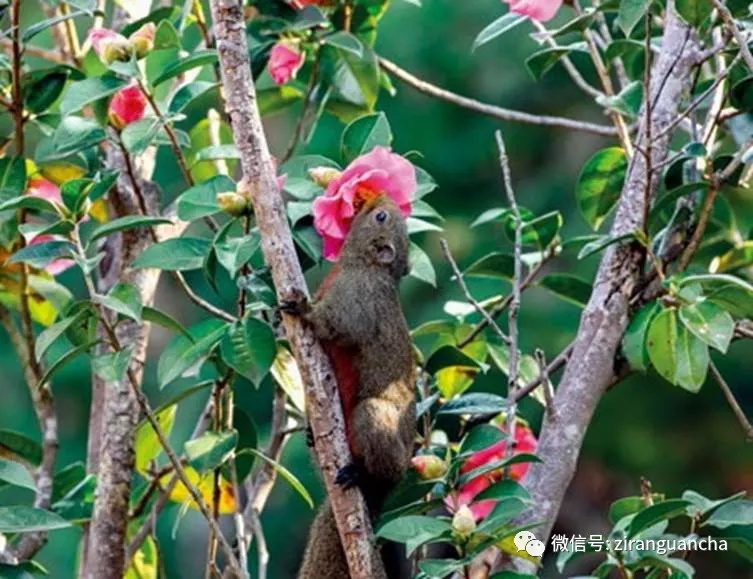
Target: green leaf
point(539, 63)
point(287, 475)
point(234, 253)
point(345, 41)
point(55, 367)
point(217, 153)
point(656, 513)
point(201, 200)
point(17, 445)
point(82, 93)
point(247, 438)
point(74, 134)
point(124, 299)
point(710, 323)
point(739, 512)
point(179, 253)
point(154, 316)
point(630, 13)
point(627, 102)
point(356, 78)
point(420, 265)
point(634, 341)
point(624, 507)
point(127, 222)
point(480, 437)
point(166, 36)
point(249, 347)
point(495, 265)
point(569, 287)
point(111, 367)
point(146, 443)
point(44, 89)
point(703, 506)
point(600, 184)
point(23, 519)
point(279, 98)
point(15, 474)
point(364, 134)
point(139, 135)
point(182, 353)
point(66, 479)
point(193, 60)
point(414, 530)
point(186, 94)
point(497, 28)
point(602, 242)
point(210, 450)
point(741, 94)
point(474, 403)
point(503, 513)
point(439, 568)
point(677, 355)
point(288, 376)
point(41, 254)
point(51, 334)
point(694, 12)
point(42, 25)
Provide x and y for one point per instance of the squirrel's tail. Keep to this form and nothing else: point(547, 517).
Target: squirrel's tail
point(324, 557)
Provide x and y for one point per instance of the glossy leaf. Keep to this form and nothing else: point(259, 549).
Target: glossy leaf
point(85, 92)
point(600, 184)
point(250, 348)
point(179, 253)
point(634, 341)
point(710, 323)
point(497, 28)
point(124, 299)
point(23, 519)
point(210, 450)
point(364, 134)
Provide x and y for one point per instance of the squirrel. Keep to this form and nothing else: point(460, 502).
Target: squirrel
point(356, 316)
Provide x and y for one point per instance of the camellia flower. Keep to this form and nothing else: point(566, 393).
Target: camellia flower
point(379, 172)
point(109, 45)
point(525, 442)
point(541, 10)
point(463, 522)
point(40, 187)
point(285, 60)
point(127, 106)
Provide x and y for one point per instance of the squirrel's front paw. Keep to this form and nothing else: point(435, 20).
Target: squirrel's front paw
point(348, 476)
point(297, 304)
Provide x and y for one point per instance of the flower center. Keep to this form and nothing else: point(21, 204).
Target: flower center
point(363, 196)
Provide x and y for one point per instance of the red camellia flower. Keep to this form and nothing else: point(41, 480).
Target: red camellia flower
point(109, 45)
point(541, 10)
point(126, 107)
point(301, 3)
point(47, 190)
point(285, 60)
point(525, 442)
point(379, 172)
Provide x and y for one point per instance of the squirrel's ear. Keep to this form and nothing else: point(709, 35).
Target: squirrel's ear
point(385, 252)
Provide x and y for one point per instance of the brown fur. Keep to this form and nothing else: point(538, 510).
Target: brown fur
point(360, 311)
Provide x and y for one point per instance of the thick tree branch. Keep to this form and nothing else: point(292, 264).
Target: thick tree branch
point(324, 411)
point(492, 110)
point(590, 368)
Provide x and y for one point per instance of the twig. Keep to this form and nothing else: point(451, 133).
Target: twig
point(170, 134)
point(322, 401)
point(504, 304)
point(44, 407)
point(492, 110)
point(51, 55)
point(547, 384)
point(512, 313)
point(571, 69)
point(700, 228)
point(468, 296)
point(739, 414)
point(304, 111)
point(559, 361)
point(731, 25)
point(145, 529)
point(261, 545)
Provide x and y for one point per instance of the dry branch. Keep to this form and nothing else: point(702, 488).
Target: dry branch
point(325, 414)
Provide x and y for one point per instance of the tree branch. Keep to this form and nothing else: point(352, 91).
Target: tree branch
point(739, 414)
point(492, 110)
point(590, 368)
point(325, 412)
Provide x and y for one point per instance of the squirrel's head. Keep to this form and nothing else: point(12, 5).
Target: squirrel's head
point(378, 237)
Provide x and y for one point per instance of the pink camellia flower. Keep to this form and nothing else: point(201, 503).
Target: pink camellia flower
point(428, 466)
point(56, 266)
point(379, 172)
point(525, 442)
point(143, 39)
point(109, 45)
point(127, 106)
point(44, 189)
point(285, 60)
point(541, 10)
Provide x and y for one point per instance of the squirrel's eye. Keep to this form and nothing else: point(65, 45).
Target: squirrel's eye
point(380, 216)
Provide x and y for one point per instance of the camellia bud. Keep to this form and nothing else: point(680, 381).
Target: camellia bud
point(463, 522)
point(429, 466)
point(143, 39)
point(234, 204)
point(116, 49)
point(323, 175)
point(127, 106)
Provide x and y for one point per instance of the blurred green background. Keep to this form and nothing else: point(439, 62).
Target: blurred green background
point(643, 428)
